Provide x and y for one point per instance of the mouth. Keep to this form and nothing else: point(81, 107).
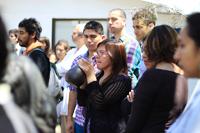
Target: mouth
point(111, 27)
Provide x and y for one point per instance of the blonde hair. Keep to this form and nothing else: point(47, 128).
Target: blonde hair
point(146, 15)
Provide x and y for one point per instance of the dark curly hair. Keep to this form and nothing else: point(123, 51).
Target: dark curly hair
point(161, 44)
point(31, 25)
point(3, 48)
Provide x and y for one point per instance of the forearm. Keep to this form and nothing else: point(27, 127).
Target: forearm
point(72, 103)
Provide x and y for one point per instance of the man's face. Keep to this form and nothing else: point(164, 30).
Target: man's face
point(92, 38)
point(140, 29)
point(24, 37)
point(75, 34)
point(115, 22)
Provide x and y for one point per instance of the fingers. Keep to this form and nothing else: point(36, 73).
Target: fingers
point(84, 64)
point(130, 96)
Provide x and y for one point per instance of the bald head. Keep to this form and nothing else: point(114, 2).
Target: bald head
point(120, 12)
point(80, 27)
point(77, 35)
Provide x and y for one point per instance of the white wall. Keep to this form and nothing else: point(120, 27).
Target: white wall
point(14, 11)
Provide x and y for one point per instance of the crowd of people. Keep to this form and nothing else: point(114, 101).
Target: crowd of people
point(130, 85)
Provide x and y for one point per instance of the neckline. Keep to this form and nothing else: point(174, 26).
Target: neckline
point(164, 70)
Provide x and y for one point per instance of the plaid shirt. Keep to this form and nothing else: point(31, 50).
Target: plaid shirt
point(133, 52)
point(79, 118)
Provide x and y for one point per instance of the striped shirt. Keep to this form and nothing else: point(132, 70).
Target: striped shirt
point(133, 52)
point(79, 118)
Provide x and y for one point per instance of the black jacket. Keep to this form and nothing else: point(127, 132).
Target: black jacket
point(41, 60)
point(103, 104)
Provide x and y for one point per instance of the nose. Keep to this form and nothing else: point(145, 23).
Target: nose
point(88, 39)
point(109, 21)
point(177, 55)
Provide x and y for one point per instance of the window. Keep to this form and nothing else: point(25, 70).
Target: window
point(62, 29)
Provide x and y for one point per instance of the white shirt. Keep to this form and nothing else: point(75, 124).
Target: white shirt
point(65, 64)
point(189, 120)
point(18, 49)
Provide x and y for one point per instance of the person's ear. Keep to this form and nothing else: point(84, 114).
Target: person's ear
point(33, 35)
point(124, 22)
point(151, 25)
point(104, 37)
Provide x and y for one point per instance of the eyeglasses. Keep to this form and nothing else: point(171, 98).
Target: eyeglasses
point(101, 53)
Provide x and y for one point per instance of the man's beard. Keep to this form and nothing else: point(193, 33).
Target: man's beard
point(22, 44)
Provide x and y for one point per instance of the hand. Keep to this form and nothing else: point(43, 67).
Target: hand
point(88, 68)
point(70, 125)
point(130, 96)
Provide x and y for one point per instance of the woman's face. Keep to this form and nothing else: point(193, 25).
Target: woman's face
point(103, 59)
point(188, 55)
point(149, 64)
point(60, 52)
point(13, 38)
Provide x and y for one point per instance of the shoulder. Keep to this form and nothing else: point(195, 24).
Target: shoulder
point(84, 55)
point(131, 43)
point(130, 39)
point(159, 72)
point(75, 61)
point(37, 52)
point(70, 54)
point(72, 51)
point(158, 76)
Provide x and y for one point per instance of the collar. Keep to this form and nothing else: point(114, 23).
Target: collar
point(121, 39)
point(31, 47)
